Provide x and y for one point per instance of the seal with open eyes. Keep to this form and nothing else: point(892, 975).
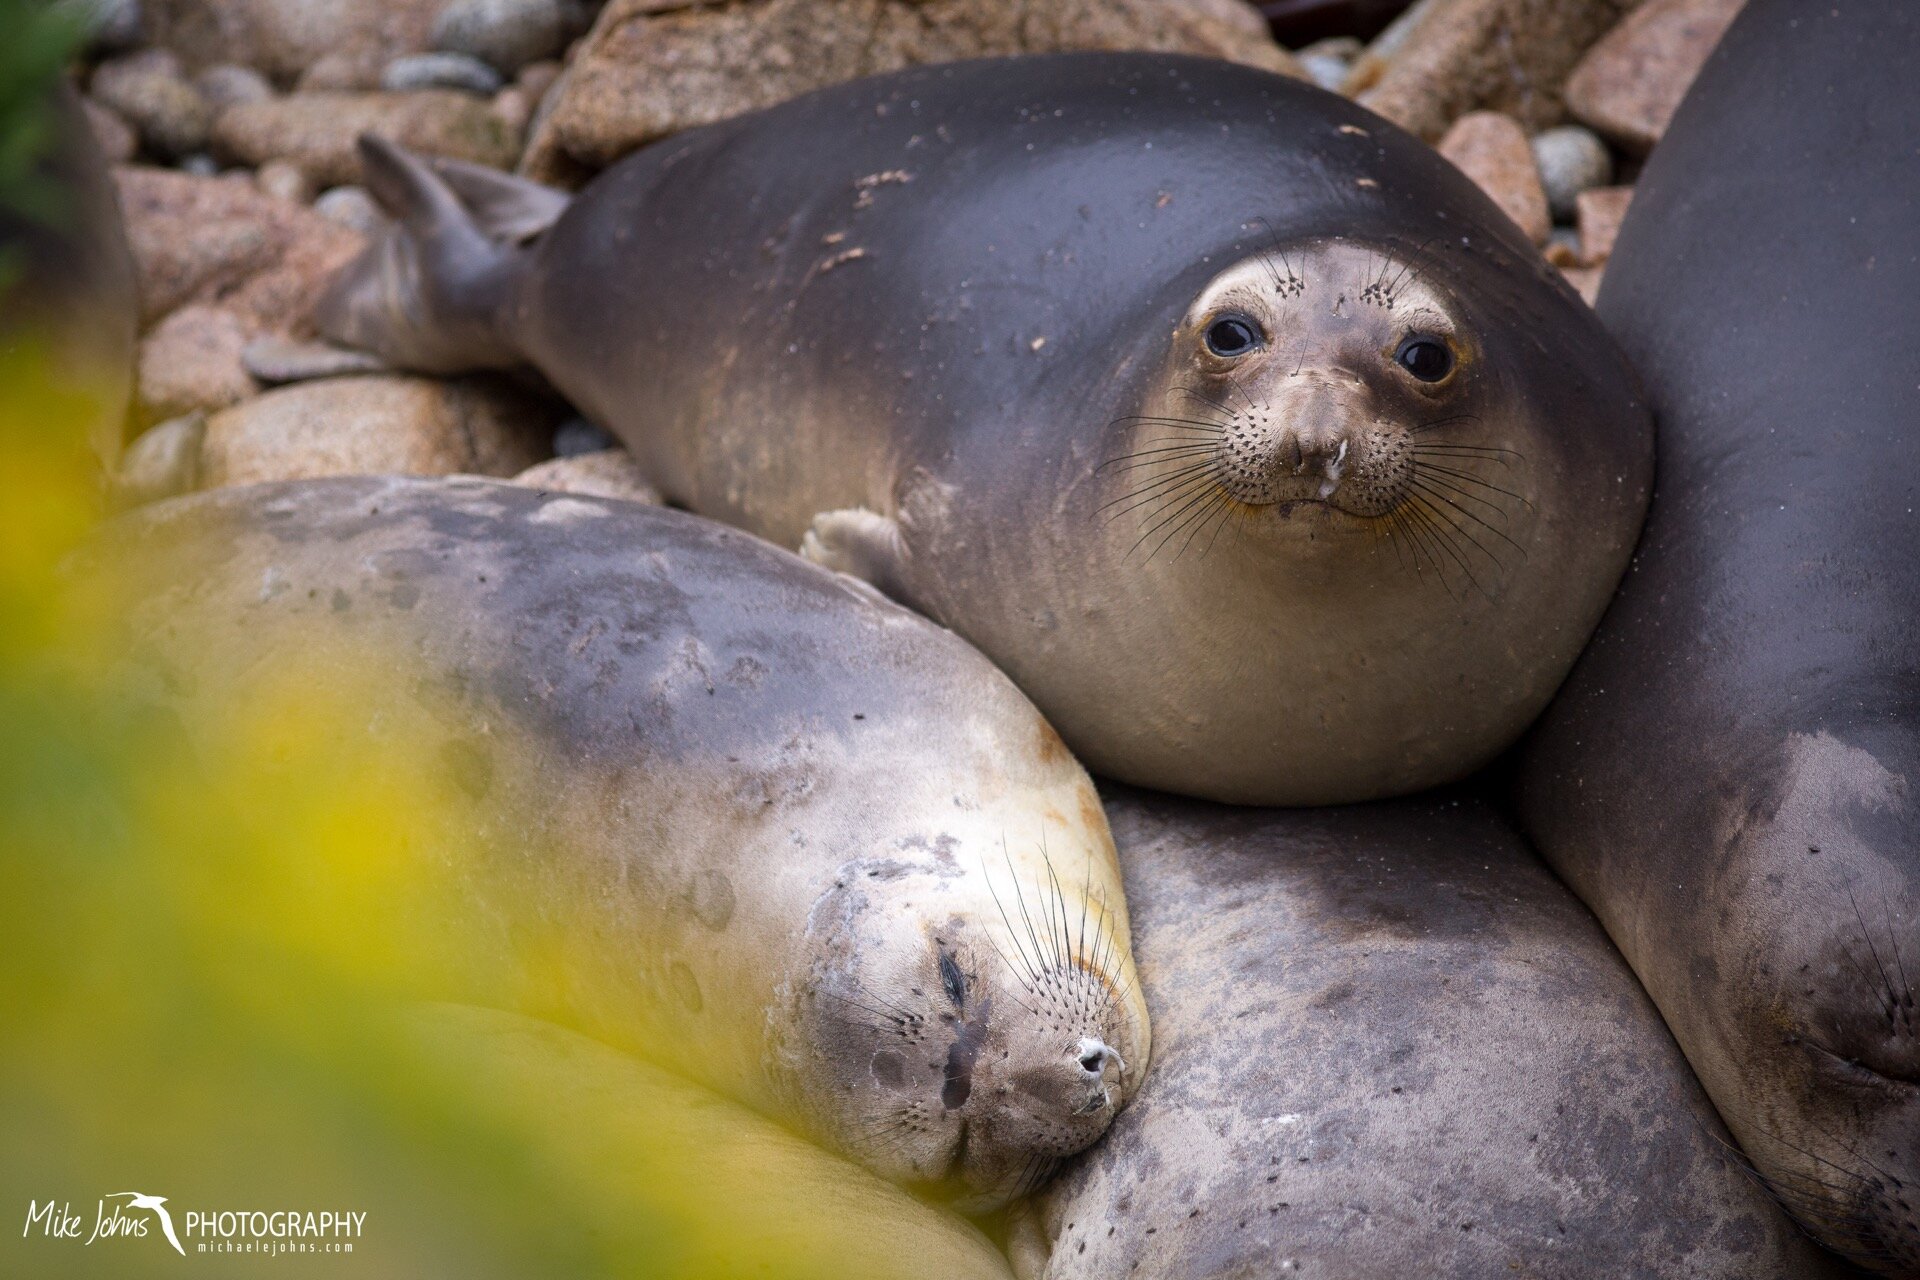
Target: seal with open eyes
point(1236, 425)
point(1388, 1043)
point(738, 813)
point(1729, 777)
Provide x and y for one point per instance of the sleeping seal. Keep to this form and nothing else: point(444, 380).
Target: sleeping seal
point(1234, 424)
point(1388, 1043)
point(1728, 778)
point(737, 813)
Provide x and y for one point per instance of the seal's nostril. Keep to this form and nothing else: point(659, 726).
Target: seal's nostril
point(1096, 1054)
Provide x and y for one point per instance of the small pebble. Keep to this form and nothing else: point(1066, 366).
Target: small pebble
point(1328, 73)
point(343, 71)
point(576, 436)
point(441, 71)
point(284, 179)
point(228, 84)
point(1571, 160)
point(1345, 48)
point(1563, 247)
point(147, 91)
point(506, 34)
point(275, 360)
point(162, 462)
point(350, 207)
point(115, 26)
point(513, 108)
point(1601, 212)
point(200, 165)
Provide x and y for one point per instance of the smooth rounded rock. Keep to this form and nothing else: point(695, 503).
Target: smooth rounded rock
point(609, 473)
point(441, 71)
point(318, 131)
point(1571, 159)
point(373, 425)
point(506, 34)
point(1491, 148)
point(227, 84)
point(162, 462)
point(146, 90)
point(191, 361)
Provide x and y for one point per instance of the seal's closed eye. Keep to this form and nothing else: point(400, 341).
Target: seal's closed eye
point(1425, 357)
point(1232, 335)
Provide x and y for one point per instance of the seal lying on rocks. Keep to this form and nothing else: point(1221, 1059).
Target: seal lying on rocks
point(1388, 1043)
point(1728, 778)
point(740, 814)
point(1234, 424)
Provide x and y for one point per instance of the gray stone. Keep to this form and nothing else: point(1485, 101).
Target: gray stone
point(228, 84)
point(319, 131)
point(114, 26)
point(643, 72)
point(1328, 73)
point(608, 473)
point(1443, 58)
point(1571, 160)
point(162, 462)
point(147, 90)
point(285, 181)
point(350, 207)
point(577, 436)
point(506, 34)
point(460, 71)
point(191, 361)
point(374, 425)
point(283, 38)
point(199, 165)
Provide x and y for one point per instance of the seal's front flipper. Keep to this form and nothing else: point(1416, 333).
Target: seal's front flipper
point(434, 291)
point(858, 542)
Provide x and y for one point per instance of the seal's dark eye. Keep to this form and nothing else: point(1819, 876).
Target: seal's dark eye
point(1232, 336)
point(1426, 358)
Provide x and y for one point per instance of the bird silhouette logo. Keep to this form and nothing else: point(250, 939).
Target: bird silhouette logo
point(158, 1204)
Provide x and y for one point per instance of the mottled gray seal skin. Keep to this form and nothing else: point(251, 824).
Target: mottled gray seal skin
point(1388, 1043)
point(66, 275)
point(1728, 778)
point(740, 814)
point(1233, 423)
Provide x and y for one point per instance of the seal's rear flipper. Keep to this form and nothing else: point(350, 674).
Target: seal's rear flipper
point(434, 291)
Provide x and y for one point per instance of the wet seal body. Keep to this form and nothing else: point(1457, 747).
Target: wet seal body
point(1728, 778)
point(1238, 427)
point(779, 833)
point(1389, 1043)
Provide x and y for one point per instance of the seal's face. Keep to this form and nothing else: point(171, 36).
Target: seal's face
point(1319, 377)
point(971, 1064)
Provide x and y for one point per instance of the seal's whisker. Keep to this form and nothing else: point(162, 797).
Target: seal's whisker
point(1146, 457)
point(1165, 419)
point(1425, 475)
point(1460, 531)
point(1221, 405)
point(1467, 477)
point(1170, 491)
point(1197, 523)
point(1443, 422)
point(1424, 487)
point(1162, 521)
point(1452, 448)
point(1421, 515)
point(1192, 471)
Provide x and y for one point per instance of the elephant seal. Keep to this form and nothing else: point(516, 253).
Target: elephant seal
point(67, 283)
point(1728, 778)
point(1388, 1043)
point(738, 813)
point(1234, 424)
